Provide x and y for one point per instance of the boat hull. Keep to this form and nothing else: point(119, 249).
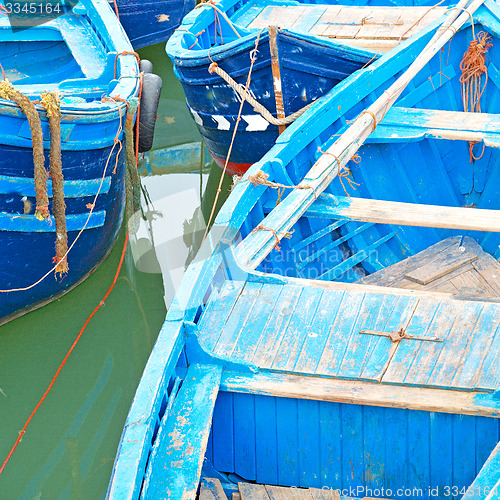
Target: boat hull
point(147, 22)
point(309, 68)
point(29, 244)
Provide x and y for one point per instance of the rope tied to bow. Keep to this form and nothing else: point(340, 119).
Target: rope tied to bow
point(261, 178)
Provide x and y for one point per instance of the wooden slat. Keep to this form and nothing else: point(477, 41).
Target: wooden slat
point(324, 494)
point(489, 269)
point(250, 491)
point(211, 489)
point(404, 214)
point(282, 493)
point(361, 392)
point(440, 266)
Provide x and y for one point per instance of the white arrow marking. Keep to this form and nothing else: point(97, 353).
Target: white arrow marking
point(255, 123)
point(222, 123)
point(196, 117)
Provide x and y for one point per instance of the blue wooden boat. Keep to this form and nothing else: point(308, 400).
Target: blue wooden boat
point(77, 56)
point(377, 374)
point(147, 22)
point(318, 45)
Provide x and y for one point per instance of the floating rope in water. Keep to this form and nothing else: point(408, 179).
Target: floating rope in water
point(473, 67)
point(51, 102)
point(10, 93)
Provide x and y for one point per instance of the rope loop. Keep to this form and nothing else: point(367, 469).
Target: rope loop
point(284, 234)
point(372, 114)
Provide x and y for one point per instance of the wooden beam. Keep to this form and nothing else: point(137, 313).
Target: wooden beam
point(404, 214)
point(410, 123)
point(362, 393)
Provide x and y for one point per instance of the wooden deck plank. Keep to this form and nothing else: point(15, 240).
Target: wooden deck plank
point(318, 332)
point(245, 341)
point(287, 385)
point(340, 331)
point(272, 336)
point(237, 318)
point(360, 346)
point(489, 376)
point(250, 491)
point(431, 318)
point(441, 265)
point(468, 371)
point(217, 312)
point(307, 22)
point(324, 494)
point(296, 332)
point(382, 351)
point(283, 493)
point(211, 489)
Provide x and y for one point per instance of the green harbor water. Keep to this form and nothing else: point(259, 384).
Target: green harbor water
point(69, 447)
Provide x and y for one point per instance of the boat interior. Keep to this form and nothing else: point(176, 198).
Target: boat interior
point(72, 53)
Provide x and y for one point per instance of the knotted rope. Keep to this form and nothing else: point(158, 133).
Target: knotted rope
point(261, 178)
point(473, 67)
point(284, 234)
point(259, 108)
point(10, 93)
point(51, 102)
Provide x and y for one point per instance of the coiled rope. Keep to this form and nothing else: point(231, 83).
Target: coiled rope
point(473, 67)
point(10, 93)
point(215, 68)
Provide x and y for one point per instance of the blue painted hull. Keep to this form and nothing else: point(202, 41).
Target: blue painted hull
point(149, 22)
point(309, 67)
point(93, 166)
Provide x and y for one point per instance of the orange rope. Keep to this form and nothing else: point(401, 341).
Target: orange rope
point(473, 66)
point(116, 10)
point(127, 53)
point(3, 71)
point(23, 430)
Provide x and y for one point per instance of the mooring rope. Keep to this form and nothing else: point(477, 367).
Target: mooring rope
point(215, 68)
point(10, 93)
point(51, 102)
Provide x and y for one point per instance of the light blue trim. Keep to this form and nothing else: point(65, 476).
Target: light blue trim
point(30, 224)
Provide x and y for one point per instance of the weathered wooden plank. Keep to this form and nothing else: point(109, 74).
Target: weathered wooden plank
point(489, 269)
point(217, 311)
point(362, 392)
point(472, 283)
point(235, 496)
point(282, 493)
point(318, 332)
point(271, 336)
point(393, 275)
point(296, 332)
point(404, 214)
point(235, 321)
point(441, 265)
point(211, 489)
point(173, 473)
point(249, 491)
point(324, 494)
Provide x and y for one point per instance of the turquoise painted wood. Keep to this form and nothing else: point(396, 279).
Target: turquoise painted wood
point(307, 394)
